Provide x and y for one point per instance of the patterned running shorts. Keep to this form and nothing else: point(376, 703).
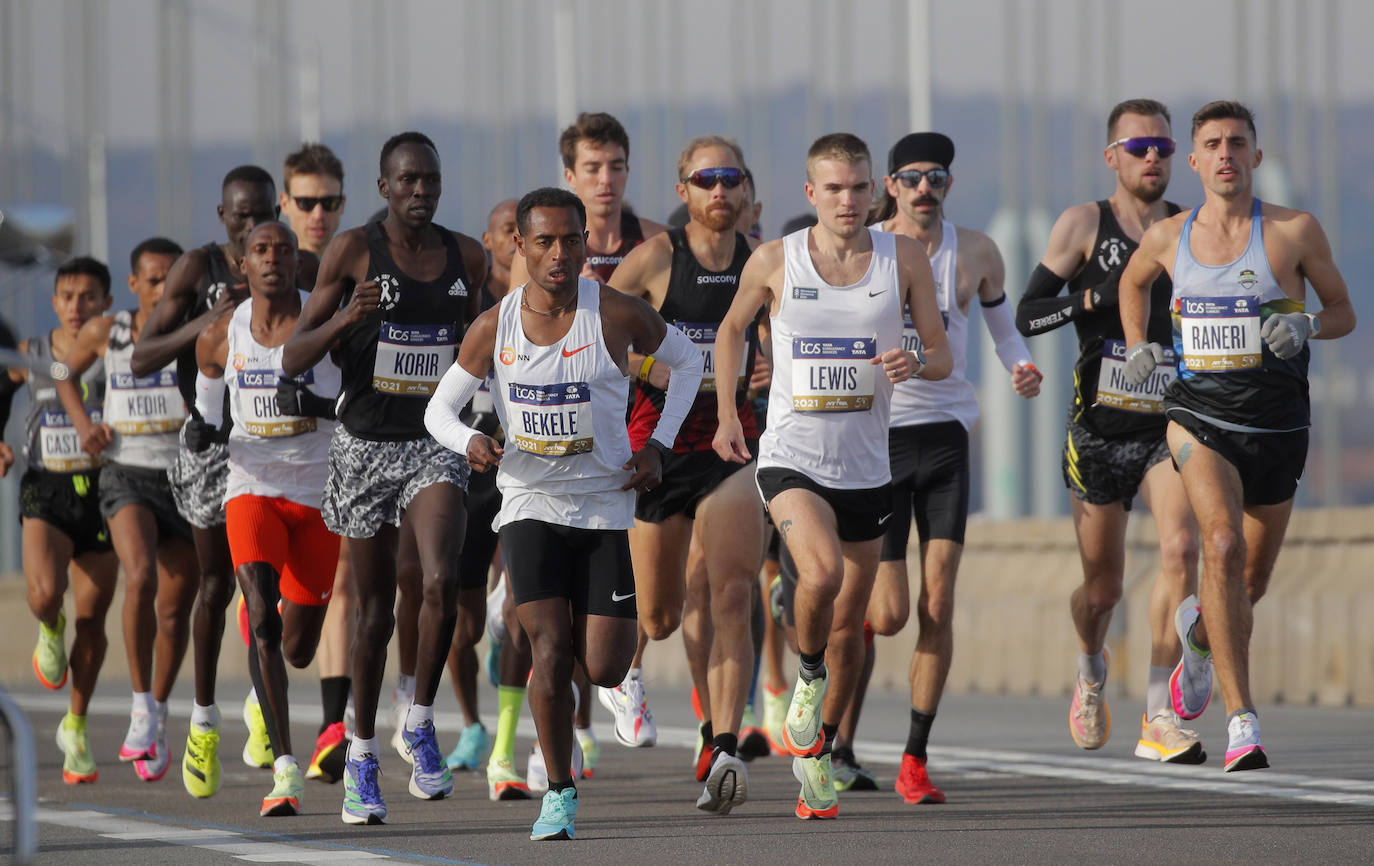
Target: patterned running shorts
point(199, 479)
point(372, 482)
point(1102, 471)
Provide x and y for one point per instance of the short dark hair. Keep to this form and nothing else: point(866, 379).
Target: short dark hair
point(1224, 109)
point(158, 246)
point(598, 128)
point(547, 196)
point(838, 146)
point(399, 139)
point(1143, 107)
point(85, 266)
point(248, 174)
point(312, 158)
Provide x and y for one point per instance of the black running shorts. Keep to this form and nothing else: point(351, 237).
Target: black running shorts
point(1269, 464)
point(860, 514)
point(930, 480)
point(589, 567)
point(148, 488)
point(1102, 471)
point(687, 479)
point(71, 503)
point(479, 544)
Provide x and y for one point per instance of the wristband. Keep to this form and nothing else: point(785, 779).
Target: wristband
point(645, 367)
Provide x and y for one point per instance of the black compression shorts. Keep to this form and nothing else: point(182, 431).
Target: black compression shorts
point(930, 480)
point(71, 503)
point(687, 479)
point(589, 567)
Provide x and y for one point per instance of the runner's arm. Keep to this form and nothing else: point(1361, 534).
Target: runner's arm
point(443, 414)
point(918, 298)
point(89, 346)
point(1041, 309)
point(755, 292)
point(997, 316)
point(161, 339)
point(322, 318)
point(1337, 315)
point(638, 275)
point(1142, 269)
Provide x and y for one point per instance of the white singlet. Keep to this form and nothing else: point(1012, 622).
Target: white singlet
point(270, 454)
point(563, 410)
point(146, 412)
point(829, 406)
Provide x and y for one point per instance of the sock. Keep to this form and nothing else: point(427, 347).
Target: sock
point(830, 732)
point(583, 734)
point(706, 735)
point(418, 715)
point(919, 733)
point(1157, 692)
point(334, 699)
point(360, 748)
point(283, 762)
point(205, 718)
point(560, 787)
point(1092, 669)
point(634, 674)
point(143, 702)
point(813, 665)
point(160, 710)
point(727, 743)
point(843, 752)
point(405, 685)
point(508, 702)
point(73, 722)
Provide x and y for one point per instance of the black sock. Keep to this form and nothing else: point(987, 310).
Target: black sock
point(919, 734)
point(334, 698)
point(830, 731)
point(560, 787)
point(843, 752)
point(727, 743)
point(706, 735)
point(813, 665)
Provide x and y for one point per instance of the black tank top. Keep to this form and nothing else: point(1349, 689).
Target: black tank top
point(393, 360)
point(217, 279)
point(1112, 248)
point(696, 301)
point(631, 236)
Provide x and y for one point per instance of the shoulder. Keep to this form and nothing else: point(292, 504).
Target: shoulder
point(484, 326)
point(769, 255)
point(1079, 223)
point(975, 243)
point(96, 331)
point(1165, 232)
point(1291, 222)
point(468, 244)
point(349, 242)
point(649, 228)
point(189, 267)
point(654, 249)
point(908, 247)
point(622, 308)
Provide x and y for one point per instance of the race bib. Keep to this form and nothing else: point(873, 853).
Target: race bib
point(59, 448)
point(411, 359)
point(1219, 335)
point(703, 334)
point(257, 404)
point(911, 338)
point(551, 420)
point(1113, 390)
point(148, 404)
point(833, 374)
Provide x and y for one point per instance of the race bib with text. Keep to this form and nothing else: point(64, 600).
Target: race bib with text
point(703, 334)
point(551, 420)
point(1219, 335)
point(146, 404)
point(1113, 390)
point(59, 448)
point(257, 405)
point(833, 374)
point(411, 359)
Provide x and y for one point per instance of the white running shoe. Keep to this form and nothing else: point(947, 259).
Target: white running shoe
point(138, 742)
point(727, 785)
point(537, 772)
point(634, 723)
point(1190, 685)
point(400, 709)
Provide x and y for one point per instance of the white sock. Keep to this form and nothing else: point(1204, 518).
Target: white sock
point(419, 715)
point(360, 748)
point(1157, 691)
point(143, 702)
point(405, 685)
point(1092, 668)
point(205, 718)
point(253, 695)
point(160, 709)
point(635, 674)
point(283, 762)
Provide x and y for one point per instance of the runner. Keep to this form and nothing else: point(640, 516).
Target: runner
point(283, 554)
point(928, 444)
point(690, 276)
point(823, 464)
point(137, 435)
point(1115, 444)
point(1238, 409)
point(566, 484)
point(393, 297)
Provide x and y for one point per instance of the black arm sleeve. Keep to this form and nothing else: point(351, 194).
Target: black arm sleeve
point(1042, 310)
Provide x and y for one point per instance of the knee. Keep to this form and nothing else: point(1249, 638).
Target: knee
point(732, 602)
point(216, 588)
point(467, 629)
point(552, 654)
point(375, 620)
point(606, 673)
point(440, 590)
point(1100, 596)
point(298, 651)
point(936, 614)
point(822, 581)
point(887, 616)
point(1178, 552)
point(1226, 547)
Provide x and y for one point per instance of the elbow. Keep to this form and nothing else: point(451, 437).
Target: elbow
point(290, 362)
point(139, 362)
point(939, 366)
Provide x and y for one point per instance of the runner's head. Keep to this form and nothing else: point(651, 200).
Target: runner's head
point(1225, 148)
point(711, 181)
point(269, 261)
point(499, 238)
point(247, 197)
point(1140, 147)
point(312, 195)
point(748, 222)
point(596, 161)
point(551, 226)
point(81, 291)
point(839, 183)
point(148, 266)
point(410, 180)
point(918, 176)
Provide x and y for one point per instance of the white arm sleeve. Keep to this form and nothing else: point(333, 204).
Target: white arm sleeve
point(441, 415)
point(684, 359)
point(1010, 346)
point(210, 399)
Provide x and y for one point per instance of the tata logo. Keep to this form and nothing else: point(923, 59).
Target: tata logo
point(1242, 305)
point(507, 356)
point(574, 391)
point(859, 345)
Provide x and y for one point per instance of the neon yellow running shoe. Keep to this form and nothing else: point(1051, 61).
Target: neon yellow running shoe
point(257, 752)
point(200, 767)
point(78, 765)
point(50, 655)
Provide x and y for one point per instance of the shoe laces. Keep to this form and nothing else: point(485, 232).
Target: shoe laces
point(1243, 728)
point(365, 776)
point(1089, 701)
point(425, 749)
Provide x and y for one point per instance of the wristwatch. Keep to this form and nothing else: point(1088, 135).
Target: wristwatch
point(1314, 324)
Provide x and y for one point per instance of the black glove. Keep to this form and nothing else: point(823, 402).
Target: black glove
point(200, 434)
point(294, 399)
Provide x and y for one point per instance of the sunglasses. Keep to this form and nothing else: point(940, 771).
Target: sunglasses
point(308, 203)
point(1139, 147)
point(938, 178)
point(707, 178)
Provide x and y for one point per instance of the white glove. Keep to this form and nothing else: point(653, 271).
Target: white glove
point(1286, 333)
point(1141, 360)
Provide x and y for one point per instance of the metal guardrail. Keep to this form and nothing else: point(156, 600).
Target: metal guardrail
point(25, 773)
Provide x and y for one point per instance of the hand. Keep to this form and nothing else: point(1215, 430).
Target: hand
point(1141, 360)
point(1286, 334)
point(1026, 379)
point(647, 467)
point(484, 453)
point(200, 434)
point(6, 459)
point(228, 301)
point(289, 396)
point(898, 364)
point(729, 441)
point(366, 299)
point(762, 376)
point(96, 438)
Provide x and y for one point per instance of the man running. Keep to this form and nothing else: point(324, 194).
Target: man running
point(1114, 445)
point(1238, 410)
point(393, 298)
point(559, 348)
point(835, 296)
point(928, 442)
point(690, 276)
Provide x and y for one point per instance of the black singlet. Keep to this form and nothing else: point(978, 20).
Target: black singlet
point(631, 236)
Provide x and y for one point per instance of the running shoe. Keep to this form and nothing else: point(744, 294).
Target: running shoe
point(591, 750)
point(849, 775)
point(503, 783)
point(257, 752)
point(1163, 739)
point(753, 743)
point(1243, 749)
point(331, 751)
point(556, 816)
point(153, 766)
point(493, 662)
point(241, 616)
point(727, 785)
point(914, 784)
point(400, 711)
point(78, 764)
point(634, 723)
point(139, 739)
point(537, 772)
point(430, 778)
point(496, 623)
point(775, 600)
point(471, 750)
point(704, 750)
point(200, 767)
point(1090, 721)
point(1190, 685)
point(774, 717)
point(287, 787)
point(817, 798)
point(363, 803)
point(801, 732)
point(50, 655)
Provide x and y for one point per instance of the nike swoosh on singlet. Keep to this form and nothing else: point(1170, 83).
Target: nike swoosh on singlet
point(615, 596)
point(567, 354)
point(876, 294)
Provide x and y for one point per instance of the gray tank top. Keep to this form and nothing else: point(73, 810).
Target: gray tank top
point(146, 412)
point(52, 444)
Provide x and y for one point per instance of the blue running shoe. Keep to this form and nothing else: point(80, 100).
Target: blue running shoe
point(430, 778)
point(556, 816)
point(363, 802)
point(493, 662)
point(471, 751)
